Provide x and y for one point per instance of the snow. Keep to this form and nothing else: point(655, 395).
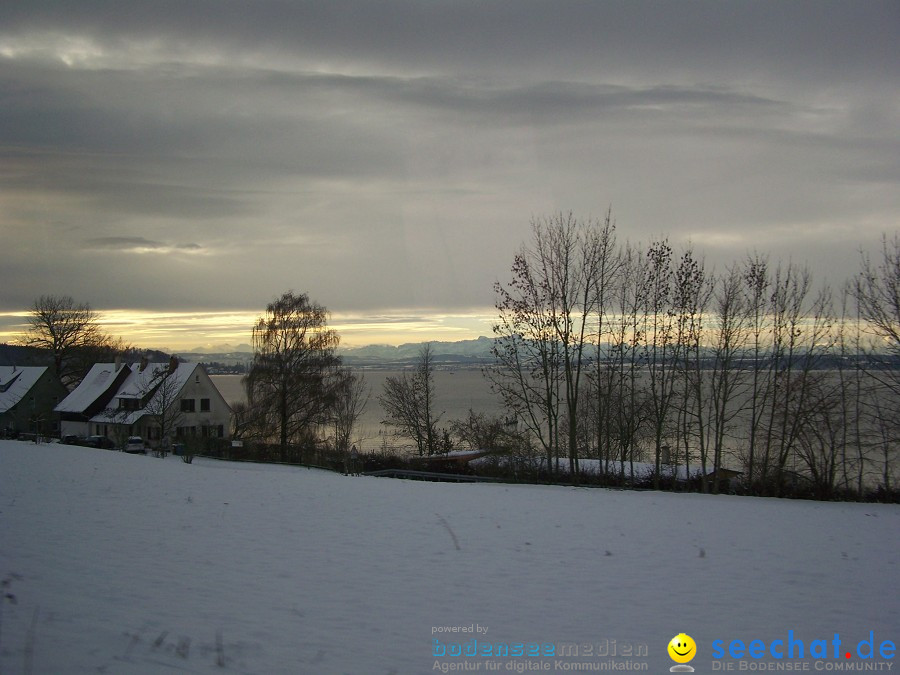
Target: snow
point(94, 384)
point(135, 385)
point(16, 382)
point(139, 382)
point(121, 563)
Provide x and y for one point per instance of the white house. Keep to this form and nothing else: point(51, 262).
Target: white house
point(146, 399)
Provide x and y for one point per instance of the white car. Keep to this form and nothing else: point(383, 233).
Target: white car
point(134, 445)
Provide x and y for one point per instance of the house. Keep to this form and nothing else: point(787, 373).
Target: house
point(91, 397)
point(28, 396)
point(161, 402)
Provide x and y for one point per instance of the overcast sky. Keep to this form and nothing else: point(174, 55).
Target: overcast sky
point(197, 159)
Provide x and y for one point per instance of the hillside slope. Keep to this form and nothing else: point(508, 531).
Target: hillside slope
point(130, 564)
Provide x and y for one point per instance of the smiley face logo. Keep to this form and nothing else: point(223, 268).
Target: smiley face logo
point(682, 648)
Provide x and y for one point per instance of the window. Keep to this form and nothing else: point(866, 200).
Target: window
point(204, 405)
point(187, 405)
point(217, 431)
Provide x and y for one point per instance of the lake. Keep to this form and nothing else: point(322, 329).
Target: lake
point(456, 391)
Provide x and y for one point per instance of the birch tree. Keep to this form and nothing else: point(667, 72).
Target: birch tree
point(293, 377)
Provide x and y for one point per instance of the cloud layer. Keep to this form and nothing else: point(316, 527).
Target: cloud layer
point(389, 155)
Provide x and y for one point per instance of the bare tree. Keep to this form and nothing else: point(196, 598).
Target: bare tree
point(567, 255)
point(629, 409)
point(293, 377)
point(877, 290)
point(164, 405)
point(691, 295)
point(852, 391)
point(478, 431)
point(352, 399)
point(800, 334)
point(885, 422)
point(757, 283)
point(661, 348)
point(547, 321)
point(821, 437)
point(877, 293)
point(409, 400)
point(720, 374)
point(607, 279)
point(526, 372)
point(64, 327)
point(241, 420)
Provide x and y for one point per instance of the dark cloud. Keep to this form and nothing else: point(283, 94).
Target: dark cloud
point(391, 155)
point(825, 39)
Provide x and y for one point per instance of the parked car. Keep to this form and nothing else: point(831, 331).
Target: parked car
point(99, 442)
point(70, 439)
point(134, 445)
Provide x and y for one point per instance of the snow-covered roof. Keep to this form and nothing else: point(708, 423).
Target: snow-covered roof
point(16, 382)
point(139, 384)
point(98, 380)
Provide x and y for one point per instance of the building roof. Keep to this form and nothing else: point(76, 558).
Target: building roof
point(97, 382)
point(16, 382)
point(141, 383)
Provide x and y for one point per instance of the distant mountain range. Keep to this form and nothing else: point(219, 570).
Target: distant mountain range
point(461, 352)
point(445, 353)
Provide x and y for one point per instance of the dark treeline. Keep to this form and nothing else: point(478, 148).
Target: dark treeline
point(628, 353)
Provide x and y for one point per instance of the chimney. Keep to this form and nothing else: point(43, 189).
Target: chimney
point(144, 364)
point(118, 362)
point(173, 363)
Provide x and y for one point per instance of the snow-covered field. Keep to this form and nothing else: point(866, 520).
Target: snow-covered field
point(114, 563)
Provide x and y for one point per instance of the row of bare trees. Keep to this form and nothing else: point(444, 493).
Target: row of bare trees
point(632, 354)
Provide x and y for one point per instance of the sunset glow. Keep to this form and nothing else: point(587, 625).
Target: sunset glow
point(210, 330)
